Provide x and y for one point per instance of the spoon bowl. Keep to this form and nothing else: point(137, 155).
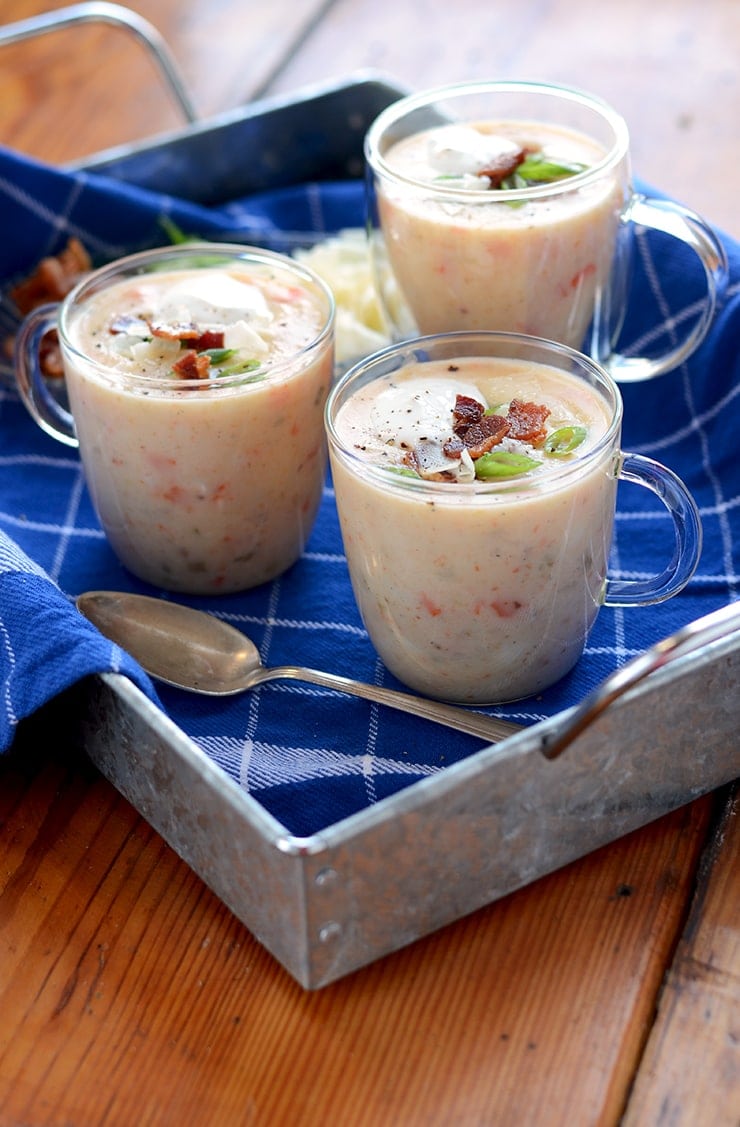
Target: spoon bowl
point(201, 653)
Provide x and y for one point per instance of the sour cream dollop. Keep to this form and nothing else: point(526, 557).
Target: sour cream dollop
point(405, 415)
point(460, 150)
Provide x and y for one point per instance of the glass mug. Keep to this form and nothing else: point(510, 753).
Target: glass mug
point(544, 257)
point(485, 590)
point(196, 377)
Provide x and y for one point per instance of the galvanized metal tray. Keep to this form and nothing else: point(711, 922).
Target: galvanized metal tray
point(328, 904)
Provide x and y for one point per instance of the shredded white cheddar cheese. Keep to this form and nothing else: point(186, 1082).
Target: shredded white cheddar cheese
point(343, 261)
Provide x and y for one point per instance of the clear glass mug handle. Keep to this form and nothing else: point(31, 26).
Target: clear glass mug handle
point(687, 526)
point(689, 228)
point(34, 390)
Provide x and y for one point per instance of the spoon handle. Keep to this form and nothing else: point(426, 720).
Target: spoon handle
point(489, 728)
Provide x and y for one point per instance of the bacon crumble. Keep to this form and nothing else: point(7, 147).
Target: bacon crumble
point(51, 281)
point(500, 169)
point(192, 365)
point(527, 421)
point(466, 411)
point(476, 433)
point(53, 278)
point(211, 338)
point(482, 436)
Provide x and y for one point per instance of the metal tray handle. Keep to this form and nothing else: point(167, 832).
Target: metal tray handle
point(720, 624)
point(119, 16)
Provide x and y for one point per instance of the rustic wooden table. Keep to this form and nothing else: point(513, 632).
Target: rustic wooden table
point(606, 993)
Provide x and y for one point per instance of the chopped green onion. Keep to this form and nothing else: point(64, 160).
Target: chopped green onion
point(218, 355)
point(403, 471)
point(537, 169)
point(513, 182)
point(257, 378)
point(240, 369)
point(564, 440)
point(173, 232)
point(503, 463)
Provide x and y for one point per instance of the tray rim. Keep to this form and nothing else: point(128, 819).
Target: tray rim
point(342, 906)
point(225, 119)
point(530, 741)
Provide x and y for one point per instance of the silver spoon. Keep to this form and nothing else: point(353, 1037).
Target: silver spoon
point(199, 652)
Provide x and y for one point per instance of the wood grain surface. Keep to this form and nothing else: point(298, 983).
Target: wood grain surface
point(132, 996)
point(606, 993)
point(670, 67)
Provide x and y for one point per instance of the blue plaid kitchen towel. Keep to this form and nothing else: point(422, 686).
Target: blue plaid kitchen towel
point(309, 756)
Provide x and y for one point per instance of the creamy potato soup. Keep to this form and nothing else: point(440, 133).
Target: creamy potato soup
point(466, 255)
point(198, 399)
point(476, 500)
